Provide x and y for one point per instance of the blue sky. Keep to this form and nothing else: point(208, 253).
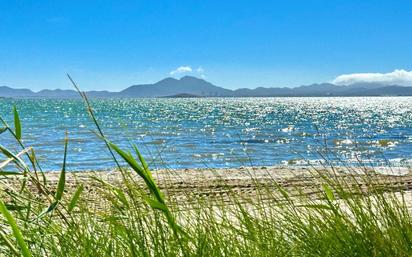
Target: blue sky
point(114, 44)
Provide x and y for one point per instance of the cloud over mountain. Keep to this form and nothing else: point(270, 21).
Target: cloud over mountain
point(396, 77)
point(181, 69)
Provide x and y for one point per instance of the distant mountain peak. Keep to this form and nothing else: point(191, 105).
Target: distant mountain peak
point(168, 79)
point(187, 77)
point(171, 86)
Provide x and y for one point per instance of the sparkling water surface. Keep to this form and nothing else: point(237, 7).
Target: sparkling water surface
point(219, 132)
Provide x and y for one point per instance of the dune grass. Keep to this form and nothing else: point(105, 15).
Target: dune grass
point(349, 215)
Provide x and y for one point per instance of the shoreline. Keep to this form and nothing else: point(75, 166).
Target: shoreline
point(277, 170)
point(244, 181)
point(242, 173)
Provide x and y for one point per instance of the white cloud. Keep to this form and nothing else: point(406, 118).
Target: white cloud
point(396, 77)
point(181, 69)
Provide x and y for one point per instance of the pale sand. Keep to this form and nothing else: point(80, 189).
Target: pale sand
point(244, 181)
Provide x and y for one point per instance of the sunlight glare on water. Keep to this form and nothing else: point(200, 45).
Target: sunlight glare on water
point(220, 132)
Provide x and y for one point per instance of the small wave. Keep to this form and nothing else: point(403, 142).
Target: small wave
point(214, 156)
point(256, 141)
point(344, 142)
point(303, 134)
point(301, 162)
point(246, 141)
point(288, 129)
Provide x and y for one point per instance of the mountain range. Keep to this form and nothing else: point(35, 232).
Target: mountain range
point(189, 86)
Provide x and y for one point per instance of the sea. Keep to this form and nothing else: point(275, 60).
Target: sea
point(217, 132)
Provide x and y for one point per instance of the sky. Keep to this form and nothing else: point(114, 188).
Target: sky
point(114, 44)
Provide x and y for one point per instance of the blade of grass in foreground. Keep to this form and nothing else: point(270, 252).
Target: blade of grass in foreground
point(143, 171)
point(2, 130)
point(62, 179)
point(158, 202)
point(61, 185)
point(11, 157)
point(16, 231)
point(75, 198)
point(93, 117)
point(15, 158)
point(17, 123)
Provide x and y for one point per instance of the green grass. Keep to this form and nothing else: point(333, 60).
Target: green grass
point(350, 216)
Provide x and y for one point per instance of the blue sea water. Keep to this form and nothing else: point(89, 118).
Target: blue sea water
point(219, 132)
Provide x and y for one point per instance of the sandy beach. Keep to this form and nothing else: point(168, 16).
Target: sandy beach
point(243, 181)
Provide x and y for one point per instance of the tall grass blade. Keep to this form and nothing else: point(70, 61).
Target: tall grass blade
point(329, 193)
point(10, 173)
point(17, 124)
point(62, 178)
point(141, 159)
point(75, 197)
point(60, 186)
point(9, 244)
point(2, 130)
point(15, 157)
point(157, 203)
point(16, 231)
point(12, 158)
point(135, 166)
point(93, 117)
